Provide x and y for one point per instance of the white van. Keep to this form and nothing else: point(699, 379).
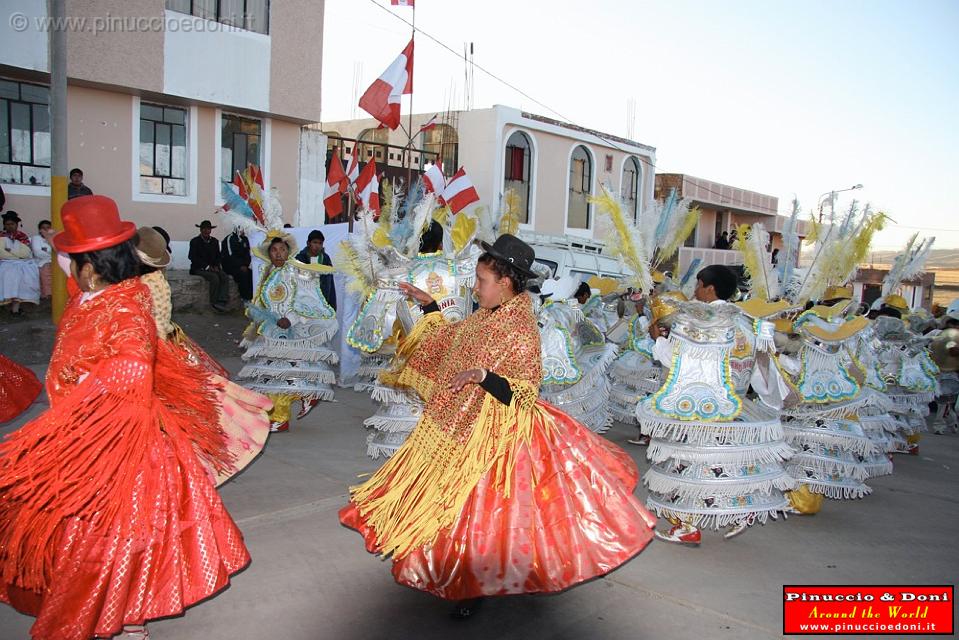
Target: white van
point(571, 255)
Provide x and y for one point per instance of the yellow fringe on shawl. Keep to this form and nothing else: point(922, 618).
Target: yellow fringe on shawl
point(429, 479)
point(407, 345)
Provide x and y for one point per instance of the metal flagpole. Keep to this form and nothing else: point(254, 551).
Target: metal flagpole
point(409, 144)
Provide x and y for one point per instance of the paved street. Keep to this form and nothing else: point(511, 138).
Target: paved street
point(311, 578)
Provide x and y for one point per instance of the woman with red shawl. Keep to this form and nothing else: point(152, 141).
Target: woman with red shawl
point(108, 513)
point(495, 492)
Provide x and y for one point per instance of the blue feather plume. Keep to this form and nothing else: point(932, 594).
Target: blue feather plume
point(668, 207)
point(692, 270)
point(233, 201)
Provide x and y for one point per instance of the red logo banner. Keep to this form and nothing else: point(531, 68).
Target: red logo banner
point(872, 610)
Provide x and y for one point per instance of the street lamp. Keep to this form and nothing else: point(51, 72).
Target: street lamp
point(832, 198)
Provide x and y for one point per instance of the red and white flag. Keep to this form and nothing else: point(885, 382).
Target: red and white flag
point(402, 3)
point(459, 191)
point(368, 187)
point(430, 124)
point(353, 168)
point(336, 186)
point(382, 99)
point(433, 179)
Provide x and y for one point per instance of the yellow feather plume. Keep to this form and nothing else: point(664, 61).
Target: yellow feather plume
point(682, 232)
point(509, 221)
point(350, 263)
point(623, 240)
point(386, 210)
point(815, 229)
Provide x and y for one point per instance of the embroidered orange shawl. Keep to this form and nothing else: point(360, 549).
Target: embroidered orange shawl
point(462, 435)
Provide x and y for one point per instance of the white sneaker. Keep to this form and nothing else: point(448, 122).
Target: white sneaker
point(739, 527)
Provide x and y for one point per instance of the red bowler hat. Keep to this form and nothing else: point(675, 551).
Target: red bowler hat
point(91, 223)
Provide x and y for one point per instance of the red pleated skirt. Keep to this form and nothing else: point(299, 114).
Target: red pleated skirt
point(19, 387)
point(571, 516)
point(174, 546)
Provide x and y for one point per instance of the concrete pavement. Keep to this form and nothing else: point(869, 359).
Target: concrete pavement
point(312, 579)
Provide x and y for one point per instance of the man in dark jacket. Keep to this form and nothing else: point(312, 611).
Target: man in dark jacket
point(314, 254)
point(76, 188)
point(205, 262)
point(235, 256)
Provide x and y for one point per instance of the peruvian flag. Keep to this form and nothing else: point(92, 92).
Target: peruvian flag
point(430, 124)
point(402, 3)
point(368, 187)
point(353, 168)
point(382, 99)
point(433, 179)
point(459, 191)
point(336, 185)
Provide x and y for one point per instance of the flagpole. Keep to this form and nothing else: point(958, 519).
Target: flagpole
point(409, 144)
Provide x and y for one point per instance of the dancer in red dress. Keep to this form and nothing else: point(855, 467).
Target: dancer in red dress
point(19, 387)
point(108, 516)
point(495, 492)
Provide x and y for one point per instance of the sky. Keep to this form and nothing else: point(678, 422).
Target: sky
point(792, 99)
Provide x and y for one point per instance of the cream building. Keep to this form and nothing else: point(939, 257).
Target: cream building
point(553, 166)
point(165, 98)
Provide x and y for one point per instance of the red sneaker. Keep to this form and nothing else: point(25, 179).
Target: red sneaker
point(276, 427)
point(307, 406)
point(682, 534)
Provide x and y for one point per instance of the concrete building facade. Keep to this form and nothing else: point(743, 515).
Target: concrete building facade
point(165, 98)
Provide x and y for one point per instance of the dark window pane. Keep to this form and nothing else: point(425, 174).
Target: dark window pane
point(240, 152)
point(174, 116)
point(20, 132)
point(9, 90)
point(146, 150)
point(10, 173)
point(33, 93)
point(151, 185)
point(183, 6)
point(251, 127)
point(41, 135)
point(231, 13)
point(253, 150)
point(178, 153)
point(205, 9)
point(4, 132)
point(36, 175)
point(173, 187)
point(258, 15)
point(162, 149)
point(151, 112)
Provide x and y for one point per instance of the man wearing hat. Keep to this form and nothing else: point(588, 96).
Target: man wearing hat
point(205, 262)
point(19, 274)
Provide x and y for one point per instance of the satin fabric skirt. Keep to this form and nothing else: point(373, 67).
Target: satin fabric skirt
point(19, 387)
point(172, 546)
point(571, 516)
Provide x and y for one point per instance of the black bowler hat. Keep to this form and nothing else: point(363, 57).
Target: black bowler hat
point(514, 251)
point(205, 225)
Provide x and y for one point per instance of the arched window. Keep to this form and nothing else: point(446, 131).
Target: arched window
point(631, 186)
point(580, 189)
point(518, 167)
point(442, 142)
point(372, 144)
